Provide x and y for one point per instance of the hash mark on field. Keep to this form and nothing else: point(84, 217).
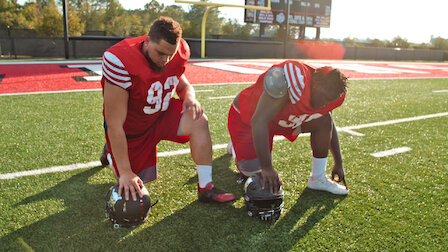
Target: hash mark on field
point(440, 91)
point(204, 90)
point(390, 152)
point(222, 97)
point(215, 147)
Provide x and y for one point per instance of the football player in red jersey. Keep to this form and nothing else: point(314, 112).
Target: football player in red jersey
point(288, 99)
point(140, 76)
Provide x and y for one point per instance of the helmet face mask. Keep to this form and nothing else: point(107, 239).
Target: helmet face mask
point(261, 203)
point(127, 213)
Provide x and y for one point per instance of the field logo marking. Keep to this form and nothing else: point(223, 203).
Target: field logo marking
point(357, 67)
point(94, 71)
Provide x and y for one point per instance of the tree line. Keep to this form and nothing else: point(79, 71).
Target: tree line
point(109, 16)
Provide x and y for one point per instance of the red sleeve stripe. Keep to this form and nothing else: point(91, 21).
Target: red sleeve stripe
point(113, 63)
point(110, 72)
point(113, 59)
point(114, 72)
point(294, 92)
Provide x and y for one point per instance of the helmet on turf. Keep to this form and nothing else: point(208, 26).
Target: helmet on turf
point(261, 203)
point(127, 213)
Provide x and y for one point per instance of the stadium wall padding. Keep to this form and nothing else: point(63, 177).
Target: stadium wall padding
point(94, 46)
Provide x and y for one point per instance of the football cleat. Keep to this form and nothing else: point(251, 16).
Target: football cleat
point(241, 178)
point(229, 147)
point(212, 194)
point(127, 213)
point(103, 157)
point(261, 203)
point(323, 183)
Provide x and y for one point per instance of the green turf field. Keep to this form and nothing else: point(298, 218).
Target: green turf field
point(397, 203)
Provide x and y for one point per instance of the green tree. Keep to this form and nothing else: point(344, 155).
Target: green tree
point(399, 42)
point(439, 43)
point(376, 43)
point(232, 29)
point(50, 20)
point(9, 13)
point(193, 22)
point(114, 18)
point(75, 26)
point(90, 12)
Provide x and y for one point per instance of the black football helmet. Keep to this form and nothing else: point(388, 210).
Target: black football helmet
point(261, 203)
point(127, 213)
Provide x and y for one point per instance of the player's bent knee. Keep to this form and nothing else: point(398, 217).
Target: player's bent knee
point(323, 123)
point(201, 123)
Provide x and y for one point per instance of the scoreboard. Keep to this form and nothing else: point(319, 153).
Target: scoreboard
point(310, 13)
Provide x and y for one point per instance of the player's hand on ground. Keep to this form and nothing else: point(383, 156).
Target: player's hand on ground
point(131, 184)
point(338, 170)
point(194, 106)
point(270, 175)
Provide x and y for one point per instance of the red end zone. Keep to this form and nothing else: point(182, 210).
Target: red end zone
point(16, 78)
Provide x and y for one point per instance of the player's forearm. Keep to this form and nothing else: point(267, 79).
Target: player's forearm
point(119, 147)
point(185, 90)
point(260, 134)
point(187, 93)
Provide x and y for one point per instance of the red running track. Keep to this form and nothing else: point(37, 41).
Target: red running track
point(32, 77)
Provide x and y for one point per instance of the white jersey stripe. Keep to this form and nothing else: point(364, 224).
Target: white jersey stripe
point(294, 79)
point(114, 71)
point(300, 77)
point(113, 59)
point(114, 81)
point(118, 77)
point(292, 99)
point(292, 96)
point(113, 68)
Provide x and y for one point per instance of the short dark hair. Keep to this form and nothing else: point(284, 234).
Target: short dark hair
point(165, 28)
point(331, 79)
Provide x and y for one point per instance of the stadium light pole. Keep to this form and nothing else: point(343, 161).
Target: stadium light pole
point(285, 43)
point(65, 20)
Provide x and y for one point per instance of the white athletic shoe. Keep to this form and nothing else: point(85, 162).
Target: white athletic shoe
point(323, 183)
point(229, 148)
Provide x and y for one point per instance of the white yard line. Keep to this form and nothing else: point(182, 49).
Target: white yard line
point(49, 170)
point(222, 97)
point(215, 147)
point(391, 152)
point(52, 92)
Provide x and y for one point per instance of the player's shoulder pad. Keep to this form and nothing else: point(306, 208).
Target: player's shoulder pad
point(275, 83)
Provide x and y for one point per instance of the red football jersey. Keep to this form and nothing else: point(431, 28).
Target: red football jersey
point(298, 110)
point(124, 65)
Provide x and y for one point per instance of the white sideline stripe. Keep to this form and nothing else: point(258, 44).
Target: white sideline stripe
point(215, 147)
point(49, 170)
point(440, 91)
point(222, 97)
point(390, 152)
point(53, 92)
